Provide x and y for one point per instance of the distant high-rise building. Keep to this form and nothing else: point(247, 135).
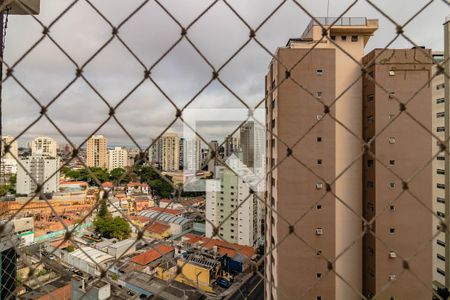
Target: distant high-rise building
point(182, 152)
point(170, 152)
point(42, 169)
point(223, 195)
point(96, 152)
point(252, 145)
point(231, 146)
point(192, 154)
point(8, 261)
point(44, 145)
point(118, 158)
point(13, 150)
point(133, 156)
point(329, 154)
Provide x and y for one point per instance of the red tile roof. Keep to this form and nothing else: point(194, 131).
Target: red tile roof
point(175, 212)
point(137, 184)
point(74, 182)
point(107, 184)
point(152, 255)
point(158, 228)
point(223, 247)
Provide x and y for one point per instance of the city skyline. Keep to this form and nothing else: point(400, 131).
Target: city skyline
point(80, 111)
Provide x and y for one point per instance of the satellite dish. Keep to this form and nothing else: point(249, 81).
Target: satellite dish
point(25, 7)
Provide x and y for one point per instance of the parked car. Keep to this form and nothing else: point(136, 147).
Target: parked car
point(222, 282)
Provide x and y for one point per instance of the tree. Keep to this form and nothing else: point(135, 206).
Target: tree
point(70, 248)
point(116, 176)
point(103, 210)
point(161, 188)
point(113, 227)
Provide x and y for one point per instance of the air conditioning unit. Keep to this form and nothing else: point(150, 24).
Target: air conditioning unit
point(392, 254)
point(319, 231)
point(14, 8)
point(392, 277)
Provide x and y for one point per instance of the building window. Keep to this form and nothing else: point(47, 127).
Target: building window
point(319, 117)
point(369, 163)
point(392, 185)
point(354, 38)
point(440, 100)
point(370, 184)
point(343, 38)
point(333, 37)
point(319, 206)
point(440, 214)
point(319, 231)
point(440, 271)
point(391, 73)
point(392, 230)
point(318, 94)
point(440, 171)
point(440, 243)
point(319, 161)
point(440, 186)
point(391, 116)
point(370, 98)
point(392, 162)
point(392, 254)
point(319, 186)
point(319, 72)
point(440, 200)
point(319, 139)
point(318, 298)
point(440, 157)
point(440, 86)
point(392, 140)
point(440, 114)
point(273, 143)
point(440, 129)
point(391, 95)
point(441, 257)
point(318, 275)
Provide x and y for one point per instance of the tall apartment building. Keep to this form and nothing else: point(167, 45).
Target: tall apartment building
point(331, 227)
point(327, 149)
point(170, 152)
point(402, 223)
point(42, 169)
point(14, 152)
point(96, 152)
point(44, 145)
point(8, 164)
point(192, 154)
point(252, 145)
point(154, 153)
point(223, 194)
point(118, 158)
point(182, 155)
point(231, 145)
point(439, 186)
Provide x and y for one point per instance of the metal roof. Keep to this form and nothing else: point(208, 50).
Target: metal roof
point(92, 255)
point(164, 217)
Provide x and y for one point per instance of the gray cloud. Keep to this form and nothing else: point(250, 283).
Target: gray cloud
point(181, 74)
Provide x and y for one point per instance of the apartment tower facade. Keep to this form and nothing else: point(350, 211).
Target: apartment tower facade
point(97, 152)
point(297, 115)
point(398, 174)
point(118, 158)
point(44, 145)
point(170, 152)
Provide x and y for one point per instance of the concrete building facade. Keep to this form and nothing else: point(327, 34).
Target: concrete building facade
point(192, 153)
point(118, 158)
point(403, 219)
point(170, 151)
point(44, 145)
point(42, 169)
point(96, 152)
point(224, 194)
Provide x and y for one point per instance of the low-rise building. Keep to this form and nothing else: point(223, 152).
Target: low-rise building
point(137, 188)
point(122, 248)
point(157, 231)
point(89, 260)
point(147, 261)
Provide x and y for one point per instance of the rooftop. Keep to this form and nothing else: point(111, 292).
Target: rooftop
point(152, 255)
point(123, 243)
point(158, 228)
point(92, 254)
point(223, 247)
point(167, 218)
point(175, 212)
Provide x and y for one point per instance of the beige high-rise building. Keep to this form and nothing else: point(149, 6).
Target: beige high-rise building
point(45, 146)
point(170, 152)
point(96, 152)
point(6, 139)
point(403, 227)
point(439, 186)
point(309, 228)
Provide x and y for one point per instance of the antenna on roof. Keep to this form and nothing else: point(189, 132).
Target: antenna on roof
point(328, 8)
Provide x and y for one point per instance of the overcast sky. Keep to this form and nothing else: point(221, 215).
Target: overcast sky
point(181, 74)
